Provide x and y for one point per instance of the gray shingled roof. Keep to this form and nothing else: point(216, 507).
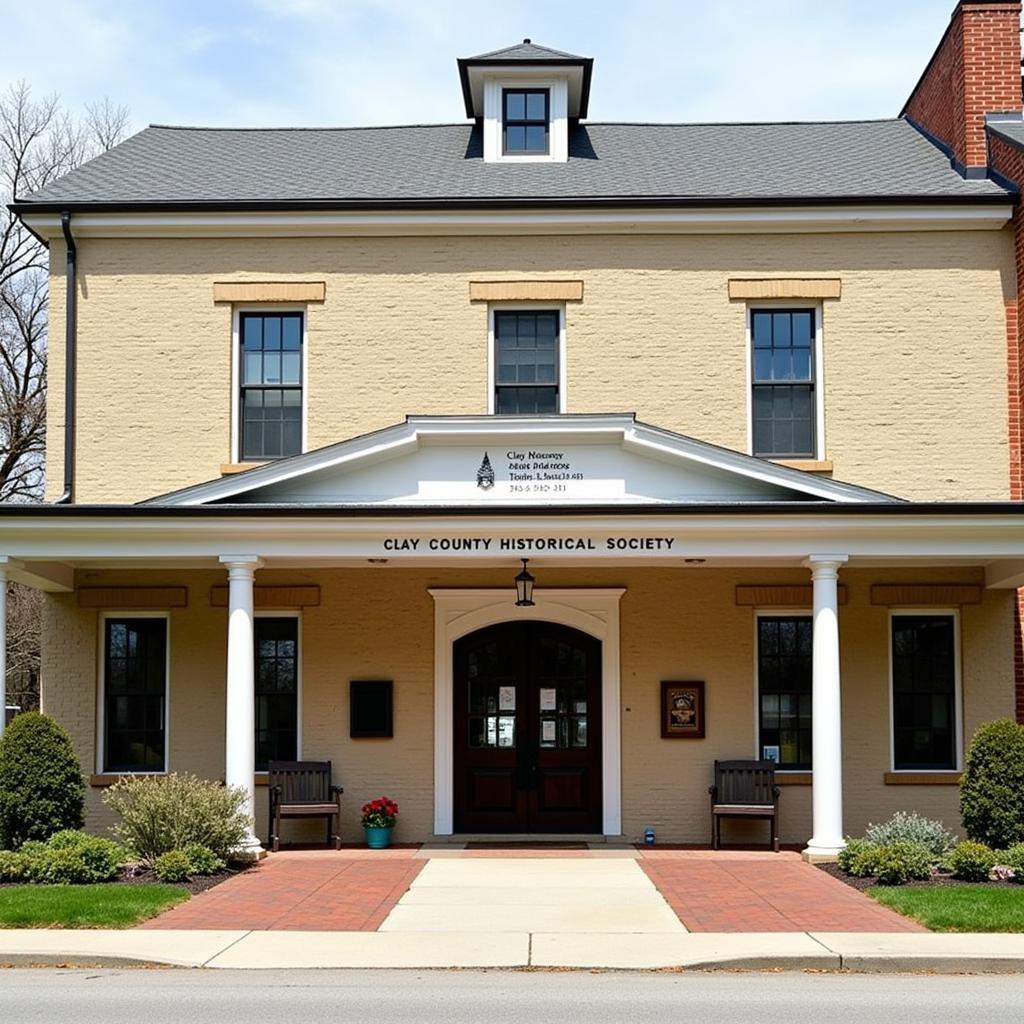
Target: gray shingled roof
point(695, 164)
point(1012, 131)
point(526, 50)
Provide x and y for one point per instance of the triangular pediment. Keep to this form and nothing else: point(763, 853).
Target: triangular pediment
point(481, 461)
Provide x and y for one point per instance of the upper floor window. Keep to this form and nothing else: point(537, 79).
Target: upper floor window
point(525, 121)
point(784, 402)
point(526, 371)
point(924, 687)
point(270, 398)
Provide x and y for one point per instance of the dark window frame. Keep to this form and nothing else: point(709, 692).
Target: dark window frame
point(952, 698)
point(811, 382)
point(108, 766)
point(260, 695)
point(555, 386)
point(242, 387)
point(525, 122)
point(801, 764)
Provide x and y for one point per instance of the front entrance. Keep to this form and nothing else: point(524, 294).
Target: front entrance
point(527, 729)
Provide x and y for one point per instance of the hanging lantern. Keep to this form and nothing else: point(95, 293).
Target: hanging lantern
point(524, 588)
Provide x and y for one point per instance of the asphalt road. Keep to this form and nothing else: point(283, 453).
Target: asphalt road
point(497, 997)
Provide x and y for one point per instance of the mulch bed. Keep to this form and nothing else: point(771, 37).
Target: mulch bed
point(861, 884)
point(138, 875)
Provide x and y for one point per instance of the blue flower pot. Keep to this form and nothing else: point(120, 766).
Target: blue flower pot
point(377, 838)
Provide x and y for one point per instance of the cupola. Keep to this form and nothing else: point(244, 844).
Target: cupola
point(524, 96)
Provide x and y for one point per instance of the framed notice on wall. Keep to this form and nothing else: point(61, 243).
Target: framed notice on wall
point(370, 709)
point(682, 710)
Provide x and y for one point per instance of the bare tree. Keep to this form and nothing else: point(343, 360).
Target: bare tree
point(39, 141)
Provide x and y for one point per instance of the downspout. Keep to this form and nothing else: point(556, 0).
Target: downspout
point(70, 360)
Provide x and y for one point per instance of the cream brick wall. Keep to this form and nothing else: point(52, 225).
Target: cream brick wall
point(915, 350)
point(674, 624)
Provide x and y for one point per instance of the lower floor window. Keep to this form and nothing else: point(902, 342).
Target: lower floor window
point(277, 689)
point(784, 673)
point(924, 692)
point(134, 694)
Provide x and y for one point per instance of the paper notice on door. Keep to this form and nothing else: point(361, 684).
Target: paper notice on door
point(547, 731)
point(548, 699)
point(506, 698)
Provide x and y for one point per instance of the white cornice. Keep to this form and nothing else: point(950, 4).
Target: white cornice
point(731, 220)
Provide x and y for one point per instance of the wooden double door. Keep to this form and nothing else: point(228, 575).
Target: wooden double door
point(527, 730)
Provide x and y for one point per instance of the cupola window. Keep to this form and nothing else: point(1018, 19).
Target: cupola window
point(525, 121)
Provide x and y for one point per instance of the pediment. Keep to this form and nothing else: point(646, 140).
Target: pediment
point(481, 461)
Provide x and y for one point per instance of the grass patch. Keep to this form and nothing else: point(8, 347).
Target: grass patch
point(958, 908)
point(84, 906)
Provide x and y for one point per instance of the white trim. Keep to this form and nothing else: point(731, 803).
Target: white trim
point(502, 307)
point(101, 688)
point(236, 365)
point(819, 369)
point(558, 116)
point(595, 612)
point(958, 710)
point(704, 220)
point(288, 613)
point(772, 613)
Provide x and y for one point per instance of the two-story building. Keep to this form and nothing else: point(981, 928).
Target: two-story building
point(526, 465)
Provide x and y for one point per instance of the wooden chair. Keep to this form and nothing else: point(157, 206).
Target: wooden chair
point(302, 789)
point(744, 789)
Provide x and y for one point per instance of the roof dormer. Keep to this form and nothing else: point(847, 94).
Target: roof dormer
point(525, 96)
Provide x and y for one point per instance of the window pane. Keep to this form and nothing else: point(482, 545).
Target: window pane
point(515, 138)
point(784, 682)
point(536, 138)
point(515, 105)
point(272, 332)
point(252, 332)
point(924, 688)
point(135, 677)
point(536, 106)
point(291, 333)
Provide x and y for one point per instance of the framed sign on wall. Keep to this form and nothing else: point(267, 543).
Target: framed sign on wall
point(371, 709)
point(682, 710)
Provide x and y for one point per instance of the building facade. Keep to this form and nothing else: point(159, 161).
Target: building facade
point(745, 398)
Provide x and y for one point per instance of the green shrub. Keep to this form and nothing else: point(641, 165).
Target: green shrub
point(41, 786)
point(59, 867)
point(1014, 858)
point(160, 814)
point(971, 861)
point(173, 866)
point(102, 856)
point(992, 787)
point(853, 853)
point(896, 863)
point(13, 866)
point(912, 828)
point(202, 860)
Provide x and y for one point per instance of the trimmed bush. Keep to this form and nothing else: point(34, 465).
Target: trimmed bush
point(13, 866)
point(853, 853)
point(971, 861)
point(59, 867)
point(160, 814)
point(912, 828)
point(992, 787)
point(202, 861)
point(173, 866)
point(1014, 858)
point(896, 863)
point(41, 786)
point(102, 856)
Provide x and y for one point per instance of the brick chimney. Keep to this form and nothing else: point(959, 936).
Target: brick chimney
point(975, 71)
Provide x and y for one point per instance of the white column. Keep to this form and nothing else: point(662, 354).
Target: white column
point(240, 723)
point(3, 644)
point(827, 733)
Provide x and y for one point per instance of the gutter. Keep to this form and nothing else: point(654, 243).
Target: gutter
point(70, 360)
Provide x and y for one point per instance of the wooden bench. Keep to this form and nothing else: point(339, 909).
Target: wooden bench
point(302, 789)
point(744, 789)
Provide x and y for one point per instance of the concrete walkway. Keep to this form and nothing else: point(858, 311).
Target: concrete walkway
point(893, 953)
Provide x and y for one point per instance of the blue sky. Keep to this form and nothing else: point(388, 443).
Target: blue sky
point(338, 62)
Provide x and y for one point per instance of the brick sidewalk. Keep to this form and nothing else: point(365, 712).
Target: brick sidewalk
point(729, 891)
point(347, 890)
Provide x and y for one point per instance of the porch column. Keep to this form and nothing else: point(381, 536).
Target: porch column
point(3, 644)
point(826, 732)
point(240, 723)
